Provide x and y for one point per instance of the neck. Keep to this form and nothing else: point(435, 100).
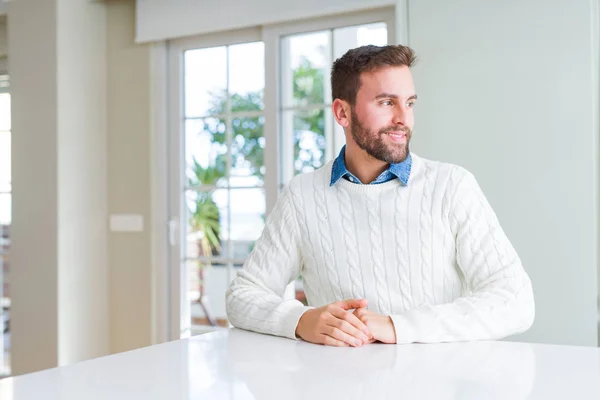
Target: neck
point(362, 165)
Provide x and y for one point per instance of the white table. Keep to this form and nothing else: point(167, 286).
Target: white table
point(236, 364)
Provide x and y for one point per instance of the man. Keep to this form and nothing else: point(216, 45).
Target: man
point(392, 247)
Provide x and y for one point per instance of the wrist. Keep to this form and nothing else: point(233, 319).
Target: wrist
point(300, 325)
point(291, 320)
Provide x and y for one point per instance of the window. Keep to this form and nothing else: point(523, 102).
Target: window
point(5, 220)
point(224, 143)
point(310, 135)
point(248, 111)
point(223, 173)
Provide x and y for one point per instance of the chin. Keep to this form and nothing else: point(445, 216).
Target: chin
point(398, 157)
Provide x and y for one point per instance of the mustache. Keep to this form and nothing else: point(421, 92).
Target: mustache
point(406, 130)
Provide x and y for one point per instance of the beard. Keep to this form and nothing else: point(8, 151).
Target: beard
point(375, 145)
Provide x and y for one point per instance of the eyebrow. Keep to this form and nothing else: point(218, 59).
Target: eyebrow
point(393, 96)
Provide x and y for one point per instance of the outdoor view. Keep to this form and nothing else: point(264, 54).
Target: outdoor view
point(5, 218)
point(224, 149)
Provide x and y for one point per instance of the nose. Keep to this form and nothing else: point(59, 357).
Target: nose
point(400, 116)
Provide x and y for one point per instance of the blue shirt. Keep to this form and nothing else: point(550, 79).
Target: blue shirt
point(400, 171)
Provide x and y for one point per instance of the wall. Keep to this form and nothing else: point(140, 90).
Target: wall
point(3, 46)
point(128, 67)
point(58, 253)
point(34, 321)
point(508, 89)
point(80, 291)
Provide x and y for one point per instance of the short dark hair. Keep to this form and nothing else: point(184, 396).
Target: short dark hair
point(346, 70)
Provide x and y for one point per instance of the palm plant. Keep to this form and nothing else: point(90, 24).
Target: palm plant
point(204, 219)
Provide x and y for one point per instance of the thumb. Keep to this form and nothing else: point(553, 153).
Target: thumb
point(352, 304)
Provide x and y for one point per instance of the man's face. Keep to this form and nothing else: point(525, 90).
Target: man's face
point(382, 118)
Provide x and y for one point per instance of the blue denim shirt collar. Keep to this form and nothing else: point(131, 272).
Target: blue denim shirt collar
point(399, 170)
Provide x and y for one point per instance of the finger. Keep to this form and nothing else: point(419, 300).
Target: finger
point(342, 336)
point(351, 304)
point(359, 312)
point(351, 319)
point(346, 327)
point(329, 341)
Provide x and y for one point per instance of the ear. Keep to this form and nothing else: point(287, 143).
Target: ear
point(341, 112)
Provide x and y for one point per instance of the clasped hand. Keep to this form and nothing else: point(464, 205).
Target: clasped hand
point(335, 325)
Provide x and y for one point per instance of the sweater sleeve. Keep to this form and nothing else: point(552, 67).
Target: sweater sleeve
point(255, 297)
point(500, 302)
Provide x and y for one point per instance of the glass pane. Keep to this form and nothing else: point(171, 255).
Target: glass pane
point(5, 162)
point(350, 37)
point(5, 208)
point(207, 223)
point(207, 285)
point(247, 220)
point(309, 141)
point(206, 151)
point(306, 62)
point(247, 76)
point(4, 112)
point(205, 81)
point(247, 151)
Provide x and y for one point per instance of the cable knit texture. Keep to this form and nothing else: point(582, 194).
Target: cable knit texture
point(431, 255)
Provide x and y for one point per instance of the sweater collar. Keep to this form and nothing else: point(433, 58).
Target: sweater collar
point(400, 170)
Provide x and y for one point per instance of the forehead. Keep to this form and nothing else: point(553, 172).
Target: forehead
point(393, 80)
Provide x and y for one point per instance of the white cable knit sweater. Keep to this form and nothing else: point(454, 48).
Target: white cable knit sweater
point(431, 255)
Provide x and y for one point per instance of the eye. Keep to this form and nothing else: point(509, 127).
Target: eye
point(387, 103)
point(410, 103)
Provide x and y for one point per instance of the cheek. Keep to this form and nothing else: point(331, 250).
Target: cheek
point(410, 119)
point(378, 118)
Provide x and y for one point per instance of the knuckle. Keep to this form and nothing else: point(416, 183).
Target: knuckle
point(331, 331)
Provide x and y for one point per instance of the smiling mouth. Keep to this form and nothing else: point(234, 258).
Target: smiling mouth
point(396, 135)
